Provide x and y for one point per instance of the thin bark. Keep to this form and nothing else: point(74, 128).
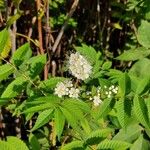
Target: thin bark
point(73, 8)
point(38, 2)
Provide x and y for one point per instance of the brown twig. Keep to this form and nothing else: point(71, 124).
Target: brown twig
point(73, 8)
point(38, 3)
point(13, 35)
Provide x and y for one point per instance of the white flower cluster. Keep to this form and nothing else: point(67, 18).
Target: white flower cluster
point(79, 66)
point(111, 91)
point(66, 88)
point(97, 98)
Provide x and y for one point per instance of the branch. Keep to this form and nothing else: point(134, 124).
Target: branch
point(73, 8)
point(38, 2)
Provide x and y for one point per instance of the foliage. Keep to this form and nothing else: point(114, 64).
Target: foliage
point(108, 108)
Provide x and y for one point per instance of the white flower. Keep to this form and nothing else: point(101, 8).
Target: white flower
point(109, 96)
point(106, 92)
point(96, 100)
point(74, 92)
point(61, 89)
point(88, 93)
point(79, 66)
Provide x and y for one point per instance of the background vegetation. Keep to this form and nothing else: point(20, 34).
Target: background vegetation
point(111, 108)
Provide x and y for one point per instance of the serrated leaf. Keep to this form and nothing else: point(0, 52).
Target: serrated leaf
point(5, 71)
point(51, 83)
point(124, 111)
point(7, 48)
point(113, 144)
point(34, 142)
point(143, 35)
point(75, 145)
point(5, 43)
point(141, 111)
point(5, 145)
point(88, 52)
point(79, 104)
point(97, 136)
point(140, 68)
point(140, 144)
point(43, 118)
point(134, 82)
point(36, 65)
point(59, 122)
point(143, 86)
point(71, 119)
point(75, 111)
point(129, 134)
point(16, 143)
point(114, 74)
point(42, 100)
point(14, 88)
point(39, 108)
point(86, 126)
point(107, 65)
point(22, 54)
point(105, 108)
point(136, 54)
point(124, 84)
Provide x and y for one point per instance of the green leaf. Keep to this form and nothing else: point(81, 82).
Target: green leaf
point(59, 122)
point(88, 52)
point(141, 111)
point(22, 54)
point(5, 43)
point(75, 145)
point(140, 144)
point(4, 101)
point(2, 4)
point(144, 34)
point(51, 83)
point(129, 134)
point(79, 104)
point(147, 101)
point(15, 88)
point(5, 145)
point(141, 68)
point(113, 144)
point(135, 54)
point(5, 71)
point(14, 18)
point(16, 3)
point(42, 119)
point(124, 84)
point(97, 66)
point(34, 142)
point(107, 65)
point(72, 120)
point(114, 74)
point(134, 82)
point(105, 108)
point(73, 109)
point(42, 100)
point(97, 136)
point(36, 65)
point(86, 126)
point(124, 111)
point(39, 108)
point(16, 143)
point(143, 86)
